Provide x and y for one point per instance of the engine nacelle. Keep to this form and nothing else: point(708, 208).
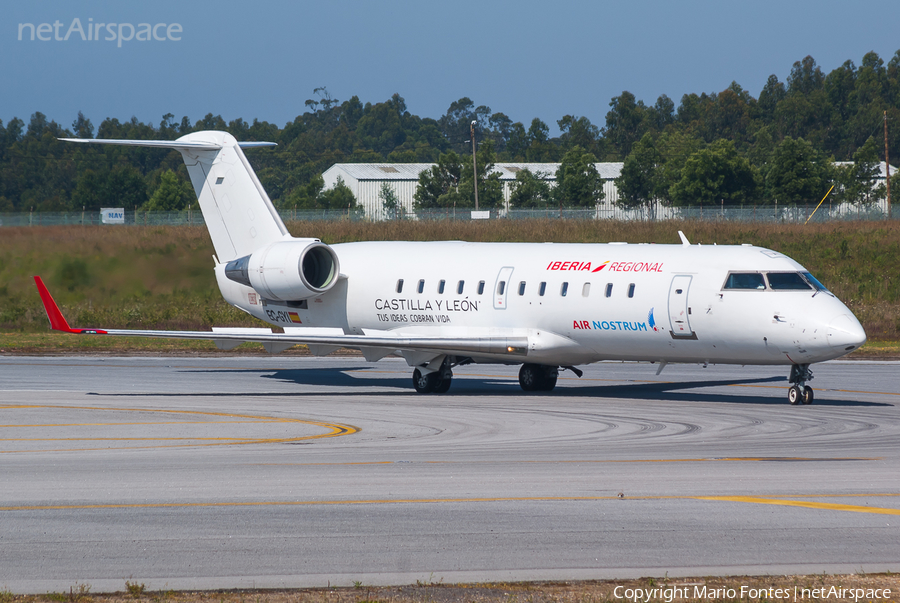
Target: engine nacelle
point(288, 270)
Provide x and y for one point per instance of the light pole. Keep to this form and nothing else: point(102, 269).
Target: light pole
point(474, 164)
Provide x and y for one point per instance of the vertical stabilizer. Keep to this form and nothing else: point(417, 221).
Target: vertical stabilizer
point(238, 213)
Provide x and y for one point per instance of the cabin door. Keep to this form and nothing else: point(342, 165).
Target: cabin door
point(679, 310)
point(501, 287)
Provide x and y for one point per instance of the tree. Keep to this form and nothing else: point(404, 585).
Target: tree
point(304, 196)
point(674, 147)
point(123, 186)
point(624, 122)
point(716, 174)
point(439, 185)
point(796, 173)
point(173, 194)
point(577, 182)
point(641, 174)
point(578, 131)
point(83, 127)
point(340, 197)
point(529, 190)
point(390, 202)
point(858, 179)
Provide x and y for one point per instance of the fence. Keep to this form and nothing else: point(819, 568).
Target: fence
point(754, 213)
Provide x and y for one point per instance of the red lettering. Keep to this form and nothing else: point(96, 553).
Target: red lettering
point(612, 267)
point(585, 266)
point(574, 265)
point(629, 266)
point(555, 266)
point(565, 266)
point(577, 324)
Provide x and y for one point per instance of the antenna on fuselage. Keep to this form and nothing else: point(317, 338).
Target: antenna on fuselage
point(684, 240)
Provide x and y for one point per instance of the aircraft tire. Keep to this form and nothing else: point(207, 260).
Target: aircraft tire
point(425, 383)
point(794, 395)
point(530, 377)
point(443, 384)
point(549, 375)
point(808, 396)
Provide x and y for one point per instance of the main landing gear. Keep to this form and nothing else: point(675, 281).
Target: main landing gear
point(799, 392)
point(428, 380)
point(538, 377)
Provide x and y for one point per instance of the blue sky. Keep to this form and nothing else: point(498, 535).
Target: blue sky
point(262, 59)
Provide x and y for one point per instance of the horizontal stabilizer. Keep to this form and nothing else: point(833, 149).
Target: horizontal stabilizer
point(169, 144)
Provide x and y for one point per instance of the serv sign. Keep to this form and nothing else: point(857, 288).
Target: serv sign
point(112, 215)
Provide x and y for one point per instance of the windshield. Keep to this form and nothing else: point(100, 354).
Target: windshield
point(814, 282)
point(787, 281)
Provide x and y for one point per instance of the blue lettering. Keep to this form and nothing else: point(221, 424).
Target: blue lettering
point(642, 326)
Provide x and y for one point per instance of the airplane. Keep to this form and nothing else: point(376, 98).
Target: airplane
point(544, 306)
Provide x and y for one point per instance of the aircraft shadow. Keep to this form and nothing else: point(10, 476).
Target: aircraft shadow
point(685, 391)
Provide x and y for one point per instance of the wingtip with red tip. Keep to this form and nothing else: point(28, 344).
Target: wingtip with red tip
point(57, 320)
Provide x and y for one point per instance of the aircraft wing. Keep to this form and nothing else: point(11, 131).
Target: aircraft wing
point(227, 338)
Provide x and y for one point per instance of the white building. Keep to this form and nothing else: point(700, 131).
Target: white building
point(366, 179)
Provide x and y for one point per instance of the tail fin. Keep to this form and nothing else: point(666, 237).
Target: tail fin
point(237, 211)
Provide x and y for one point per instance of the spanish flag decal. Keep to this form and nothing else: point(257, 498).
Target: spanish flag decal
point(295, 318)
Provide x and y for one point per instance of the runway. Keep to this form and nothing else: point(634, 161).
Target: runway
point(191, 473)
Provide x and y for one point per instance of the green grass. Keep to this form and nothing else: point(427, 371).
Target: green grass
point(161, 277)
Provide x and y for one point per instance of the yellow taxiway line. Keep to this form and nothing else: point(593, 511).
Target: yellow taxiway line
point(397, 501)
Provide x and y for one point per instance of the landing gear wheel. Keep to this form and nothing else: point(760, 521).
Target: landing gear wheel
point(807, 397)
point(443, 384)
point(425, 383)
point(529, 377)
point(794, 395)
point(548, 378)
point(538, 377)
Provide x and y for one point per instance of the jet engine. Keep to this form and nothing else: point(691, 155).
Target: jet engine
point(290, 270)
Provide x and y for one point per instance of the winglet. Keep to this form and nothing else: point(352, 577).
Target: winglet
point(684, 239)
point(57, 320)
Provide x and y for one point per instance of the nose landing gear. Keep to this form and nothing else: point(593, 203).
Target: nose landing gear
point(799, 392)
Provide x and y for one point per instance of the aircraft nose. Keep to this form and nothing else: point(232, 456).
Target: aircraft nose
point(845, 333)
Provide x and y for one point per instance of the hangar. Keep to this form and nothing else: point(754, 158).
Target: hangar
point(366, 179)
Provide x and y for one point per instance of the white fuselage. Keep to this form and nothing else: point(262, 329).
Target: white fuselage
point(576, 303)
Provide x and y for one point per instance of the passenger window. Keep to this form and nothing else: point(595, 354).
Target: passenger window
point(543, 289)
point(745, 280)
point(631, 290)
point(459, 287)
point(501, 287)
point(400, 286)
point(421, 286)
point(586, 290)
point(608, 289)
point(787, 281)
point(522, 288)
point(564, 289)
point(441, 286)
point(480, 287)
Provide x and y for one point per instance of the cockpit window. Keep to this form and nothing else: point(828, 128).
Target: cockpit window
point(815, 283)
point(787, 281)
point(745, 280)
